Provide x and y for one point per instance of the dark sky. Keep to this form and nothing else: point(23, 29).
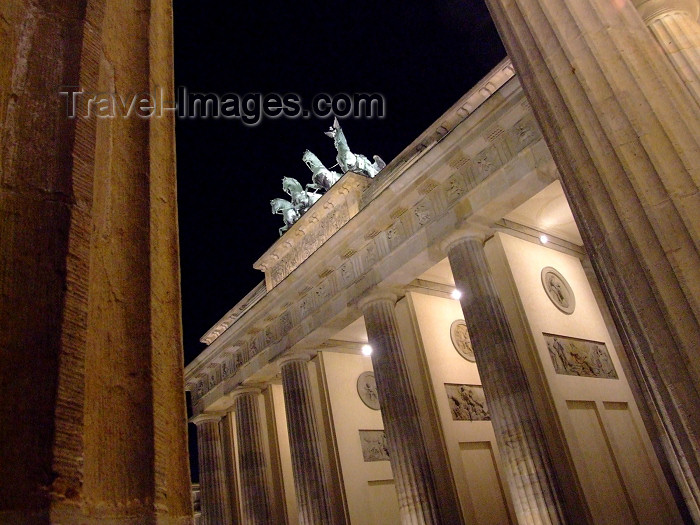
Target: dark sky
point(422, 56)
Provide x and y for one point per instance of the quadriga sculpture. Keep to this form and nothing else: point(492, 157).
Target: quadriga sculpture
point(349, 161)
point(301, 201)
point(322, 177)
point(284, 208)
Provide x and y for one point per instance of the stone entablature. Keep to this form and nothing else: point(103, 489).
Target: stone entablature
point(480, 163)
point(327, 216)
point(242, 307)
point(453, 117)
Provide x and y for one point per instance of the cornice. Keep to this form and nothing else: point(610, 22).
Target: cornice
point(453, 117)
point(207, 417)
point(234, 313)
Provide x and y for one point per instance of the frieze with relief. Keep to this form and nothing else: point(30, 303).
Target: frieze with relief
point(312, 230)
point(455, 188)
point(423, 213)
point(467, 402)
point(269, 336)
point(396, 233)
point(347, 274)
point(374, 445)
point(285, 323)
point(487, 162)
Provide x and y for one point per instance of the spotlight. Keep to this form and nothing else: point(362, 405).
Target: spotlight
point(544, 239)
point(456, 294)
point(366, 350)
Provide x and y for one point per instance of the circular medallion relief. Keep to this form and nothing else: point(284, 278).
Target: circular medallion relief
point(558, 290)
point(367, 390)
point(461, 341)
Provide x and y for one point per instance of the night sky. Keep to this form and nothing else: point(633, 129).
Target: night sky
point(422, 56)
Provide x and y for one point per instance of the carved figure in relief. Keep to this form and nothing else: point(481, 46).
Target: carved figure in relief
point(524, 133)
point(559, 355)
point(579, 357)
point(484, 163)
point(367, 390)
point(374, 445)
point(467, 402)
point(558, 290)
point(555, 288)
point(455, 188)
point(477, 409)
point(580, 362)
point(461, 340)
point(349, 161)
point(423, 214)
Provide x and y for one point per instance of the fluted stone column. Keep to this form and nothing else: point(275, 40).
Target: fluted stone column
point(310, 478)
point(674, 24)
point(252, 465)
point(529, 472)
point(624, 133)
point(92, 423)
point(413, 475)
point(213, 480)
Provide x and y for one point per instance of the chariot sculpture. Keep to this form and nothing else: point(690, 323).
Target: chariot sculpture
point(301, 201)
point(322, 177)
point(302, 198)
point(349, 161)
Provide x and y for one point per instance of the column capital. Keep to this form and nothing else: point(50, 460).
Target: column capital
point(206, 417)
point(379, 294)
point(303, 357)
point(463, 234)
point(247, 389)
point(650, 10)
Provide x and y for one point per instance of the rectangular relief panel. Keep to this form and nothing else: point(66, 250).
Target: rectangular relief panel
point(467, 402)
point(580, 357)
point(484, 483)
point(608, 500)
point(374, 447)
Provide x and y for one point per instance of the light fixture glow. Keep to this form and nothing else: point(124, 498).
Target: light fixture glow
point(544, 239)
point(456, 294)
point(366, 350)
